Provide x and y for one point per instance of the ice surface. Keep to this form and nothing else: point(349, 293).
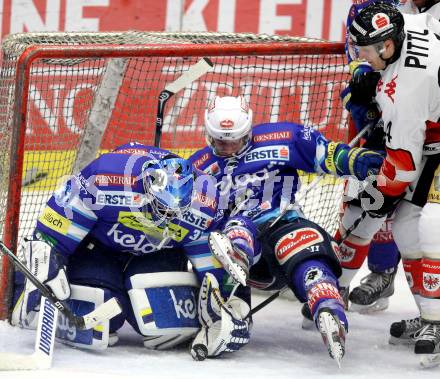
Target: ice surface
point(279, 348)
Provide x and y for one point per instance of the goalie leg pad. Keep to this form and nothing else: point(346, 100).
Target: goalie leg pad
point(164, 308)
point(83, 300)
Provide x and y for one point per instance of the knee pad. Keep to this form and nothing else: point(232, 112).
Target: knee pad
point(82, 301)
point(302, 240)
point(428, 230)
point(308, 274)
point(165, 307)
point(406, 230)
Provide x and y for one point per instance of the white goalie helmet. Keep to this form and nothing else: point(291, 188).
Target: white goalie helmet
point(228, 121)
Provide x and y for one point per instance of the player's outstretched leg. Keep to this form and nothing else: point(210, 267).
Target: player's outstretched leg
point(325, 303)
point(307, 255)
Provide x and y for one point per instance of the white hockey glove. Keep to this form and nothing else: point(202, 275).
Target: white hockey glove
point(224, 326)
point(42, 261)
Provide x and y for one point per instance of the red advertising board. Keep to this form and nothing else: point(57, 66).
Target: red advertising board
point(278, 90)
point(313, 18)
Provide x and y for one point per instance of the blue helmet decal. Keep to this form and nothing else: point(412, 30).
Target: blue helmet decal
point(168, 184)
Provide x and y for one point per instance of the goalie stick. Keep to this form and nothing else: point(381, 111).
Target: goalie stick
point(194, 72)
point(103, 312)
point(47, 322)
point(44, 343)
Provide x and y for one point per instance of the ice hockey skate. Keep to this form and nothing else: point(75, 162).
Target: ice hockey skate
point(428, 345)
point(307, 322)
point(402, 332)
point(373, 293)
point(234, 260)
point(333, 332)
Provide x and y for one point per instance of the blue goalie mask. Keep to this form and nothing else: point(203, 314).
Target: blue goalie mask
point(168, 185)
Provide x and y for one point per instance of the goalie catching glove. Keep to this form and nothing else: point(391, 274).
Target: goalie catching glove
point(225, 327)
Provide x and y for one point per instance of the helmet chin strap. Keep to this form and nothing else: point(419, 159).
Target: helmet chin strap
point(394, 57)
point(386, 61)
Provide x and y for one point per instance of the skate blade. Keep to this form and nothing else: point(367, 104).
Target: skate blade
point(220, 245)
point(429, 360)
point(401, 341)
point(307, 324)
point(379, 305)
point(333, 335)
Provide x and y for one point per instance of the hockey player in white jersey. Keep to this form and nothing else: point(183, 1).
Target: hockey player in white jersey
point(421, 6)
point(383, 256)
point(406, 51)
point(375, 289)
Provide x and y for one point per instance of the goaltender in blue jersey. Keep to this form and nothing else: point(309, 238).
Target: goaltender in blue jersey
point(125, 226)
point(257, 171)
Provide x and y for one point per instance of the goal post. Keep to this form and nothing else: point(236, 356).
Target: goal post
point(65, 97)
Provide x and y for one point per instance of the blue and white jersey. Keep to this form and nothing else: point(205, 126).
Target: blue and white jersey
point(106, 203)
point(257, 181)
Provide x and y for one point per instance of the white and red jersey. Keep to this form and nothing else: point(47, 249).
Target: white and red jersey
point(407, 6)
point(434, 11)
point(409, 97)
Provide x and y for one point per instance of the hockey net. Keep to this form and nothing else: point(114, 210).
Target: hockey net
point(66, 97)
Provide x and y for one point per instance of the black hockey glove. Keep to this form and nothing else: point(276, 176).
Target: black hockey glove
point(375, 139)
point(363, 87)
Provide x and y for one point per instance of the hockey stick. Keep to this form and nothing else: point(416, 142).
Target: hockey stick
point(194, 72)
point(103, 312)
point(44, 343)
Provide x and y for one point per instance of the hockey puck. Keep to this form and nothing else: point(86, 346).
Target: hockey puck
point(199, 352)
